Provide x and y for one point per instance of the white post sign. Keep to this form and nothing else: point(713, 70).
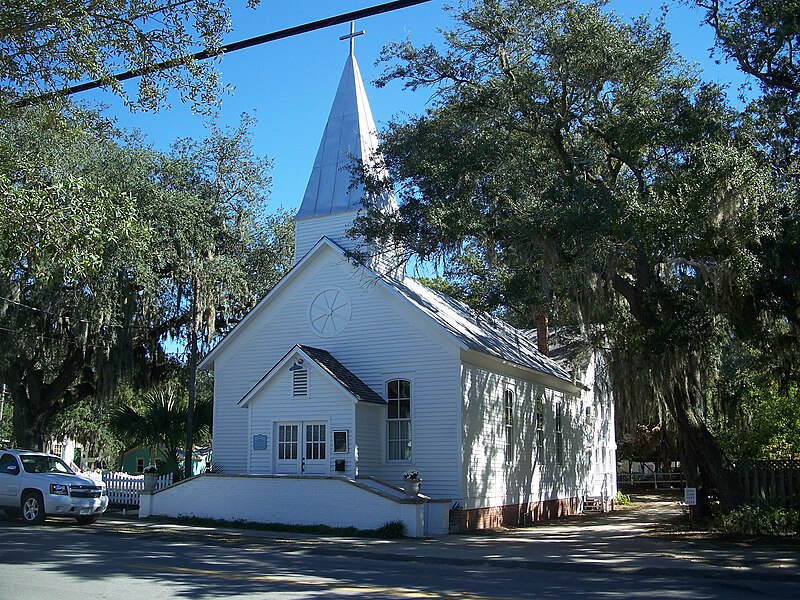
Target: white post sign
point(690, 496)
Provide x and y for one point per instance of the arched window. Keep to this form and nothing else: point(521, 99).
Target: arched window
point(508, 412)
point(398, 424)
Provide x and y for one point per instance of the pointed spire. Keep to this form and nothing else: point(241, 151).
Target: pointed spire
point(330, 203)
point(349, 135)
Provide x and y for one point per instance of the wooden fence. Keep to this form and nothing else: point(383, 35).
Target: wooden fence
point(124, 488)
point(655, 479)
point(773, 483)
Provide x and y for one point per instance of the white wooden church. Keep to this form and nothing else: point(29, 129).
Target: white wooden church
point(346, 376)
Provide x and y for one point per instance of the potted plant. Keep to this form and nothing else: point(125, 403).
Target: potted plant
point(150, 477)
point(411, 482)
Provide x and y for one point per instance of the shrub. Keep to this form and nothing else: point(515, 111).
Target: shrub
point(392, 530)
point(754, 520)
point(622, 499)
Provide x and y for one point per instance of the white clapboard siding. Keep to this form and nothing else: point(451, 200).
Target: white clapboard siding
point(309, 231)
point(386, 338)
point(370, 423)
point(493, 480)
point(325, 402)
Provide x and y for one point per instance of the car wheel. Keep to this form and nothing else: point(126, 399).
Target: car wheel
point(86, 520)
point(33, 508)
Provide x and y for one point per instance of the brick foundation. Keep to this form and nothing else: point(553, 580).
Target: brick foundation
point(510, 515)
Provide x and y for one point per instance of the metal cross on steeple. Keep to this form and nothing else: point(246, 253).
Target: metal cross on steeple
point(351, 36)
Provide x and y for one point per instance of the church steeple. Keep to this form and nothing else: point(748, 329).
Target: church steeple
point(331, 202)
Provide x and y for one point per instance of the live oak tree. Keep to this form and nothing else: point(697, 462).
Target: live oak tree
point(46, 46)
point(577, 154)
point(70, 243)
point(97, 277)
point(763, 368)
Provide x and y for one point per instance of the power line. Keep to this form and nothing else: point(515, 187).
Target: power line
point(227, 48)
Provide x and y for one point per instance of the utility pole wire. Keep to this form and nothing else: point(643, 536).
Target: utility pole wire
point(224, 49)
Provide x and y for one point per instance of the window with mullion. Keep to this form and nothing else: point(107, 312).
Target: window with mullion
point(508, 411)
point(540, 429)
point(559, 435)
point(398, 423)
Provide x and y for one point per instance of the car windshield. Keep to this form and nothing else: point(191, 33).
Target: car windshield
point(33, 463)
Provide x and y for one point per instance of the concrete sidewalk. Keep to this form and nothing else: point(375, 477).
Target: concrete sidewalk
point(647, 538)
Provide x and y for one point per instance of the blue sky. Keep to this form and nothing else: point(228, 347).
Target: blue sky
point(289, 84)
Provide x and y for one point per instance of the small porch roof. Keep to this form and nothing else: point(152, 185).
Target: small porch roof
point(328, 365)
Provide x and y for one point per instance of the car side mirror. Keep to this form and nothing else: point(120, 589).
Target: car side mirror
point(12, 469)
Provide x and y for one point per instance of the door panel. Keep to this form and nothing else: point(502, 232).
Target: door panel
point(287, 455)
point(315, 449)
point(302, 448)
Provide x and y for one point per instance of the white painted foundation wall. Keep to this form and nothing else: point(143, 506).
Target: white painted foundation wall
point(274, 499)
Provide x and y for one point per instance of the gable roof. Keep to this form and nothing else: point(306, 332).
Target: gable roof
point(336, 371)
point(477, 330)
point(473, 330)
point(350, 135)
point(349, 381)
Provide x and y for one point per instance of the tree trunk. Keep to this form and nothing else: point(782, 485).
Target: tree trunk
point(189, 450)
point(37, 400)
point(700, 446)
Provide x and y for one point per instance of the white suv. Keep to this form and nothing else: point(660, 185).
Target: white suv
point(38, 484)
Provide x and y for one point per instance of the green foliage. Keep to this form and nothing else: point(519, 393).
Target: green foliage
point(766, 423)
point(6, 424)
point(224, 252)
point(106, 246)
point(648, 444)
point(160, 423)
point(72, 255)
point(623, 499)
point(594, 177)
point(45, 46)
point(86, 424)
point(391, 530)
point(754, 520)
point(761, 37)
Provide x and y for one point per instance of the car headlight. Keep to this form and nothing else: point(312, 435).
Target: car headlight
point(59, 489)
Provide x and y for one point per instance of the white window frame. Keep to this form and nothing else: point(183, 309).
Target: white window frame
point(508, 423)
point(559, 431)
point(539, 411)
point(409, 419)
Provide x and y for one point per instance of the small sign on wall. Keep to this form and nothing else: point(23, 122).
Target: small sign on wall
point(260, 442)
point(340, 441)
point(690, 496)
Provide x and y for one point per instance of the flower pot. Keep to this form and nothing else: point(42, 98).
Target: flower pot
point(411, 487)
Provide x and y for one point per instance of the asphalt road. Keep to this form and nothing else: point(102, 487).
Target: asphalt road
point(60, 560)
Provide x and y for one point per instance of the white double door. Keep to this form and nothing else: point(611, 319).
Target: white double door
point(301, 448)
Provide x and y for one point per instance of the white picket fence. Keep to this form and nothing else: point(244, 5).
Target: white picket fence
point(124, 488)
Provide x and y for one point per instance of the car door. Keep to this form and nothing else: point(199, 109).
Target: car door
point(9, 480)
